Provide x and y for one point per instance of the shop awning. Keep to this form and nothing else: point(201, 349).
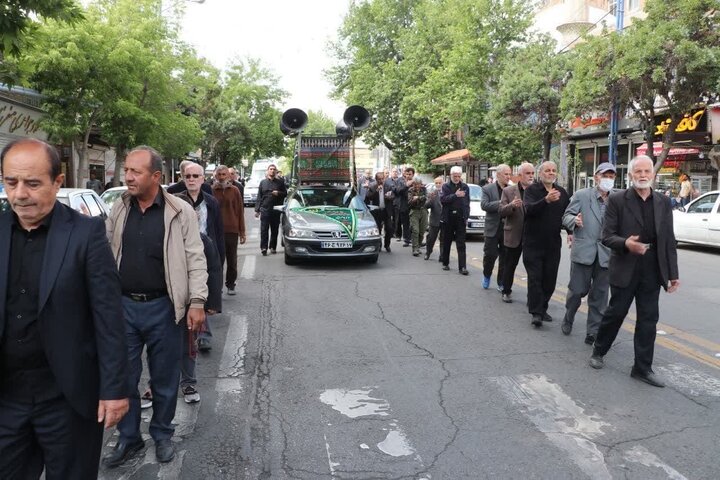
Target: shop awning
point(674, 151)
point(452, 158)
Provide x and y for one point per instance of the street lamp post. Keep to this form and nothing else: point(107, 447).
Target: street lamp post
point(615, 112)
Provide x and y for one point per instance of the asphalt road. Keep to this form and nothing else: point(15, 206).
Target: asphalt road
point(401, 370)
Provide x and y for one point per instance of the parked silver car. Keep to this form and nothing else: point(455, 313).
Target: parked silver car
point(83, 200)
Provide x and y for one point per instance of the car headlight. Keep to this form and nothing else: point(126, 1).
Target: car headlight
point(301, 233)
point(368, 232)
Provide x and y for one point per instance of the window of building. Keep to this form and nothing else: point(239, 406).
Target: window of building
point(633, 5)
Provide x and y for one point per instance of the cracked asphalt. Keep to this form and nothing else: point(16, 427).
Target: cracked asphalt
point(411, 356)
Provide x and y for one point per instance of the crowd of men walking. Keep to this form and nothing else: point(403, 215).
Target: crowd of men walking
point(621, 241)
point(80, 299)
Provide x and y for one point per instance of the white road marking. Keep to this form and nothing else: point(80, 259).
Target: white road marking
point(641, 455)
point(563, 421)
point(232, 362)
point(355, 403)
point(332, 465)
point(248, 270)
point(689, 380)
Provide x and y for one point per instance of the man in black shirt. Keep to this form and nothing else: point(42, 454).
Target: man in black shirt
point(63, 354)
point(638, 228)
point(271, 192)
point(455, 199)
point(545, 203)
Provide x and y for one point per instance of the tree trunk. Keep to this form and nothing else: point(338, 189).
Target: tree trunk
point(120, 152)
point(83, 171)
point(667, 140)
point(547, 142)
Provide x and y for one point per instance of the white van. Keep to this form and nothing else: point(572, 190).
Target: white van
point(259, 169)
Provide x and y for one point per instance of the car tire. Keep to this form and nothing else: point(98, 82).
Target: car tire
point(290, 260)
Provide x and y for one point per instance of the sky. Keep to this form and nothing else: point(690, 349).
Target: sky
point(289, 37)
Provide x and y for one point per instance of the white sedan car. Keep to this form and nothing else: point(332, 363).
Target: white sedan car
point(699, 221)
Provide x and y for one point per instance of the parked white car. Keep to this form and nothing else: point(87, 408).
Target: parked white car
point(699, 221)
point(83, 200)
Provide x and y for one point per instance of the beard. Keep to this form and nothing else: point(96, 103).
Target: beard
point(643, 184)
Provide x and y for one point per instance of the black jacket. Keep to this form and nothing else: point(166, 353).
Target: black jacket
point(543, 221)
point(215, 274)
point(265, 199)
point(80, 312)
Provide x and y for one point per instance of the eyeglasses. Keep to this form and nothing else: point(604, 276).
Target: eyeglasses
point(192, 175)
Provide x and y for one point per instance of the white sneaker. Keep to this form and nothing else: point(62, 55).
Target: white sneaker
point(191, 394)
point(231, 291)
point(146, 400)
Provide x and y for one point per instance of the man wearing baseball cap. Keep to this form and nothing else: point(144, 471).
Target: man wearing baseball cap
point(589, 257)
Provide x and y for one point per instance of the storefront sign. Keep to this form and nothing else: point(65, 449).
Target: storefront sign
point(691, 123)
point(580, 122)
point(20, 121)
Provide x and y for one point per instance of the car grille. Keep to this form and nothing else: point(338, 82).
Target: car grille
point(332, 235)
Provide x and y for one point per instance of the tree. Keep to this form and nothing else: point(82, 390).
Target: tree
point(424, 69)
point(17, 21)
point(668, 62)
point(319, 123)
point(240, 117)
point(529, 91)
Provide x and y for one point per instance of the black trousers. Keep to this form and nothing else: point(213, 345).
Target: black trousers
point(48, 434)
point(511, 258)
point(269, 222)
point(396, 222)
point(542, 266)
point(231, 245)
point(432, 237)
point(403, 218)
point(454, 229)
point(493, 249)
point(383, 220)
point(644, 288)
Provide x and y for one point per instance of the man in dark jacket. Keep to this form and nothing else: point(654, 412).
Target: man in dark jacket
point(545, 203)
point(455, 199)
point(63, 347)
point(493, 245)
point(232, 210)
point(433, 203)
point(180, 185)
point(638, 229)
point(379, 196)
point(271, 192)
point(402, 211)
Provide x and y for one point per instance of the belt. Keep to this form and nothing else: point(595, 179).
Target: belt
point(145, 297)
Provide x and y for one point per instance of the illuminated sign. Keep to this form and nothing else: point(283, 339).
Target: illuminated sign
point(324, 158)
point(689, 123)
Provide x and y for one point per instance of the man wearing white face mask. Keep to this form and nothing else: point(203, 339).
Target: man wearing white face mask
point(589, 257)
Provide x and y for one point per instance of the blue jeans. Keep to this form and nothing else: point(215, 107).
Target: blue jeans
point(152, 324)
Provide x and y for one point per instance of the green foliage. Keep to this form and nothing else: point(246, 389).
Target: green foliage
point(670, 59)
point(424, 69)
point(319, 123)
point(240, 117)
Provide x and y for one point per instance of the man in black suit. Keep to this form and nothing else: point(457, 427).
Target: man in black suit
point(545, 202)
point(638, 228)
point(63, 353)
point(381, 197)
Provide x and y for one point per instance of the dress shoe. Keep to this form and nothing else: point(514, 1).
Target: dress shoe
point(546, 317)
point(416, 253)
point(122, 451)
point(164, 450)
point(506, 298)
point(597, 362)
point(536, 320)
point(427, 255)
point(566, 327)
point(273, 251)
point(387, 249)
point(650, 378)
point(486, 283)
point(406, 244)
point(464, 271)
point(589, 339)
point(264, 252)
point(446, 267)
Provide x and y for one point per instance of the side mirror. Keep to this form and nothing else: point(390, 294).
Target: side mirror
point(682, 209)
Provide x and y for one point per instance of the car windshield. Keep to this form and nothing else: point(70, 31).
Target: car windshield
point(475, 193)
point(110, 197)
point(323, 196)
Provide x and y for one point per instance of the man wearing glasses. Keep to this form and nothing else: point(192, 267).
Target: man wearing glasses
point(232, 211)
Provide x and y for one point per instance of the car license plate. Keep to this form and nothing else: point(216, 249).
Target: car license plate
point(336, 244)
point(475, 225)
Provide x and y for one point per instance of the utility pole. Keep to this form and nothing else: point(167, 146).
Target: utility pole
point(615, 112)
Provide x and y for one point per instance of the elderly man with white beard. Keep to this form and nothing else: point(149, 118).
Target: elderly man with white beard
point(638, 229)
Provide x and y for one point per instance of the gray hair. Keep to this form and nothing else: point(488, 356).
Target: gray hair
point(156, 160)
point(634, 160)
point(193, 165)
point(523, 166)
point(503, 166)
point(417, 180)
point(184, 164)
point(456, 169)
